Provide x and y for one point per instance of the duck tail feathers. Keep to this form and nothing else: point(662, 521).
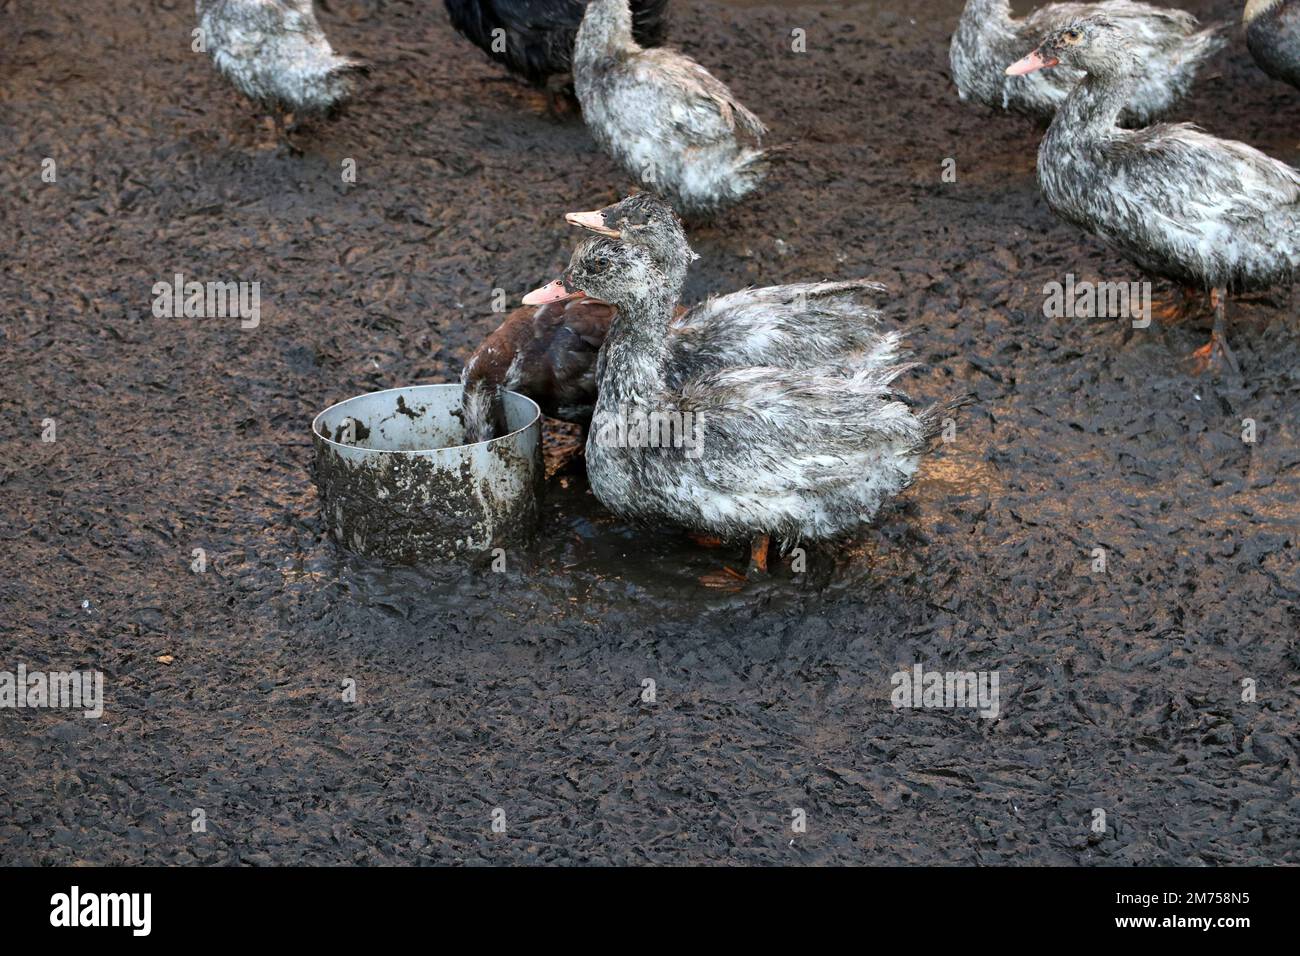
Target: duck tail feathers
point(351, 66)
point(821, 290)
point(935, 419)
point(780, 152)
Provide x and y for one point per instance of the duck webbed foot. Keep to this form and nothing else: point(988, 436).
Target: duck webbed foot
point(560, 100)
point(1215, 356)
point(1179, 305)
point(729, 579)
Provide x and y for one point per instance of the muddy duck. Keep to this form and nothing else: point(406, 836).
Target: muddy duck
point(1273, 37)
point(672, 125)
point(740, 452)
point(534, 39)
point(276, 54)
point(545, 352)
point(1206, 212)
point(1169, 43)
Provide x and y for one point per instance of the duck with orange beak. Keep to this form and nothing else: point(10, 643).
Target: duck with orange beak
point(1205, 212)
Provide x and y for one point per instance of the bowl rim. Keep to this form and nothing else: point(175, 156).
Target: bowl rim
point(535, 420)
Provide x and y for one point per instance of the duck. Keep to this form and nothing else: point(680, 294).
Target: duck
point(534, 39)
point(737, 452)
point(1273, 37)
point(548, 352)
point(1206, 212)
point(276, 54)
point(1169, 43)
point(673, 126)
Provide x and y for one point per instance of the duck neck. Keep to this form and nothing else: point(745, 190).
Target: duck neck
point(636, 347)
point(1094, 105)
point(605, 31)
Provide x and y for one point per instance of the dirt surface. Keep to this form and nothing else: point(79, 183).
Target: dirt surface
point(522, 689)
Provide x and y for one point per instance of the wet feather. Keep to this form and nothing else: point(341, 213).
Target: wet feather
point(1204, 211)
point(676, 128)
point(276, 54)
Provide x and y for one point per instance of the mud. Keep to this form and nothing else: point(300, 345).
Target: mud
point(1121, 690)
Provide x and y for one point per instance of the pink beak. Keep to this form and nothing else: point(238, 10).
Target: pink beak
point(1035, 61)
point(593, 221)
point(551, 292)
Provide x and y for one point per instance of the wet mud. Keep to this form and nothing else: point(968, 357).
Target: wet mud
point(184, 443)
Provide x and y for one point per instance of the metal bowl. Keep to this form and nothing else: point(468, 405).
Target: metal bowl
point(397, 481)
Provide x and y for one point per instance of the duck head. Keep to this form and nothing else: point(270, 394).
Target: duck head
point(646, 222)
point(1096, 45)
point(605, 269)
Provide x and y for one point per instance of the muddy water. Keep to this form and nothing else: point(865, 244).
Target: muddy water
point(523, 689)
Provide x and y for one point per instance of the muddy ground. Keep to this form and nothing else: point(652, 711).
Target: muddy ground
point(522, 690)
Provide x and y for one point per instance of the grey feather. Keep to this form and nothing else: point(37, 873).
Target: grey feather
point(276, 54)
point(673, 126)
point(1181, 203)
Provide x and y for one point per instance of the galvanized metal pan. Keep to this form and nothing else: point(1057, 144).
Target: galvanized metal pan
point(397, 481)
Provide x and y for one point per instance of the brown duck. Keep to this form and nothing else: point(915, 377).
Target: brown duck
point(546, 352)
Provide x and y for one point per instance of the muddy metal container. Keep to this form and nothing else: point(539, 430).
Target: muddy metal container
point(397, 482)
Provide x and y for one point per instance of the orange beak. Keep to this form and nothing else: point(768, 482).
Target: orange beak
point(551, 292)
point(1035, 61)
point(593, 221)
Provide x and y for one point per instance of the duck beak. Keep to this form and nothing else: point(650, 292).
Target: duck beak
point(1035, 61)
point(593, 221)
point(551, 292)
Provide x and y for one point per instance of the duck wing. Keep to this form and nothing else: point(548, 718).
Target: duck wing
point(1191, 178)
point(568, 341)
point(800, 324)
point(774, 431)
point(697, 102)
point(1145, 24)
point(301, 35)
